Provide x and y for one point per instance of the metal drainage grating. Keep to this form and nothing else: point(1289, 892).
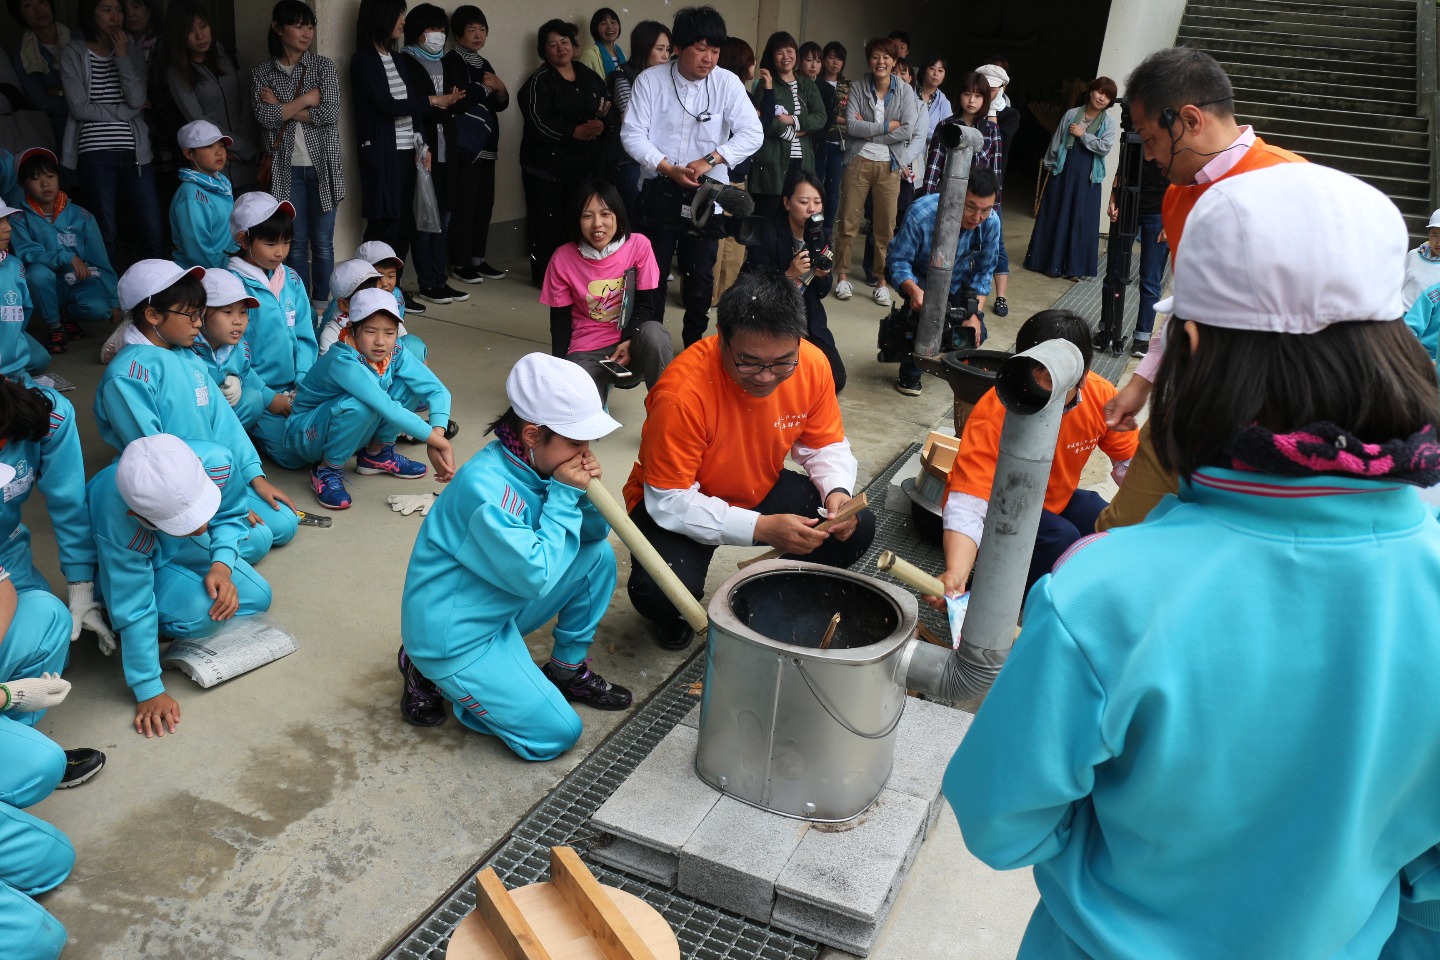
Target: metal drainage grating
point(563, 817)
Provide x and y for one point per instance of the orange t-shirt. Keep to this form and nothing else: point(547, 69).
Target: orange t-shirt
point(700, 426)
point(1179, 201)
point(1082, 429)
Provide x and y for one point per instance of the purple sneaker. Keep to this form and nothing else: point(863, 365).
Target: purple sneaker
point(589, 687)
point(386, 460)
point(421, 702)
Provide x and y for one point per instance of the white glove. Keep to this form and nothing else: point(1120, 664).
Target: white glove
point(230, 387)
point(407, 503)
point(87, 613)
point(29, 694)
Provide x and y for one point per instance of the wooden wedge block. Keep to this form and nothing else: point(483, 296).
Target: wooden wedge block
point(502, 918)
point(613, 933)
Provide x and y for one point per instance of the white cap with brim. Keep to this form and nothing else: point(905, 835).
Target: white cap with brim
point(558, 394)
point(201, 133)
point(148, 277)
point(162, 480)
point(367, 303)
point(223, 288)
point(1291, 248)
point(1434, 220)
point(6, 210)
point(7, 473)
point(254, 208)
point(377, 251)
point(996, 75)
point(347, 276)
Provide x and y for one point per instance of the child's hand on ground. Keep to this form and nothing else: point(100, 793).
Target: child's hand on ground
point(222, 590)
point(154, 715)
point(442, 455)
point(270, 493)
point(281, 404)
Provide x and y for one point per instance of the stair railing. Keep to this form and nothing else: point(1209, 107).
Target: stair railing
point(1428, 86)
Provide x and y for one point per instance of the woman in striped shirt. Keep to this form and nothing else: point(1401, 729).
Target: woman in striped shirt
point(106, 139)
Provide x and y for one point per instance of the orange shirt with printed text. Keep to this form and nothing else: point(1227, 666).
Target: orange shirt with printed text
point(700, 426)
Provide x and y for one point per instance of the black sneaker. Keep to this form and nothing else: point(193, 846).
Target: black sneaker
point(589, 687)
point(72, 329)
point(440, 295)
point(80, 765)
point(467, 274)
point(421, 702)
point(910, 388)
point(490, 273)
point(1138, 348)
point(412, 305)
point(1000, 308)
point(676, 635)
point(459, 296)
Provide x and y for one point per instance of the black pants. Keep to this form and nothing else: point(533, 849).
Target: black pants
point(697, 263)
point(793, 493)
point(399, 231)
point(470, 211)
point(546, 203)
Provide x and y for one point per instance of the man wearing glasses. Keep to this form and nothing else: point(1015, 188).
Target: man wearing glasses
point(718, 427)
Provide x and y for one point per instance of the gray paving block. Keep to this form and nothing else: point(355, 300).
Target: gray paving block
point(660, 866)
point(825, 926)
point(734, 857)
point(924, 743)
point(663, 801)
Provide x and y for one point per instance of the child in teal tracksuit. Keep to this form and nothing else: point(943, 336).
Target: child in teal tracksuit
point(200, 211)
point(156, 384)
point(510, 544)
point(225, 353)
point(282, 328)
point(351, 393)
point(347, 279)
point(37, 857)
point(21, 355)
point(67, 267)
point(168, 522)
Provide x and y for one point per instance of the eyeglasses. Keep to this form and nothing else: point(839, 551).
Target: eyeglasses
point(194, 317)
point(782, 369)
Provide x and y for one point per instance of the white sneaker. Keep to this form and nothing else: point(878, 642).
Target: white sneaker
point(115, 341)
point(843, 291)
point(882, 296)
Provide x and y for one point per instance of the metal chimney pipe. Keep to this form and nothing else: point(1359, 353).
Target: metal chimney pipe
point(961, 143)
point(1027, 449)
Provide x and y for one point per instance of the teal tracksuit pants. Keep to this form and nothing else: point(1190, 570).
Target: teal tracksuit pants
point(34, 856)
point(37, 642)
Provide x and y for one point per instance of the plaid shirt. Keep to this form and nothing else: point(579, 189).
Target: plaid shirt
point(989, 157)
point(322, 133)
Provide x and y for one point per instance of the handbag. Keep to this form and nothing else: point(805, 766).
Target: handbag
point(266, 175)
point(1042, 180)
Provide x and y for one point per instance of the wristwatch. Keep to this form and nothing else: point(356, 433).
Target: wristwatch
point(712, 159)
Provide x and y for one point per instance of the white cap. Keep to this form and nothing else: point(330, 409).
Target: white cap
point(371, 301)
point(348, 275)
point(146, 278)
point(164, 482)
point(1434, 220)
point(1291, 248)
point(200, 133)
point(377, 251)
point(558, 394)
point(996, 75)
point(255, 208)
point(7, 473)
point(223, 288)
point(5, 211)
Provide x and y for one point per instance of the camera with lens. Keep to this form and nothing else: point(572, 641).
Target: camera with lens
point(896, 341)
point(820, 256)
point(693, 210)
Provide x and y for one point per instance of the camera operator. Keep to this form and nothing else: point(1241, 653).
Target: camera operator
point(687, 120)
point(976, 255)
point(796, 243)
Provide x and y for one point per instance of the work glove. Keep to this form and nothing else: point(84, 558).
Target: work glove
point(230, 387)
point(29, 694)
point(407, 503)
point(87, 613)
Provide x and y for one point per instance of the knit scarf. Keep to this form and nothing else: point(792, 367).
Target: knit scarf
point(512, 442)
point(420, 53)
point(32, 53)
point(219, 184)
point(1325, 449)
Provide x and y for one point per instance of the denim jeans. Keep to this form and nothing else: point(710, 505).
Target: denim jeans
point(312, 252)
point(109, 175)
point(1153, 255)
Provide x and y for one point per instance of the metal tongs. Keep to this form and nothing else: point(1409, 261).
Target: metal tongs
point(312, 519)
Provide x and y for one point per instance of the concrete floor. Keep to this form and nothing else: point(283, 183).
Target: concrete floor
point(296, 815)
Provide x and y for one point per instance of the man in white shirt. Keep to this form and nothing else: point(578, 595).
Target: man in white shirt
point(687, 120)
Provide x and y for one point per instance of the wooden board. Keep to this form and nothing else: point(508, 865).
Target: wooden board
point(560, 930)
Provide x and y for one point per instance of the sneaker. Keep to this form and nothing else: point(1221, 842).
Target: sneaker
point(467, 274)
point(412, 305)
point(910, 387)
point(489, 272)
point(329, 486)
point(843, 290)
point(421, 702)
point(115, 342)
point(440, 295)
point(458, 296)
point(1139, 348)
point(587, 686)
point(881, 296)
point(80, 765)
point(1000, 308)
point(57, 342)
point(386, 460)
point(676, 635)
point(72, 329)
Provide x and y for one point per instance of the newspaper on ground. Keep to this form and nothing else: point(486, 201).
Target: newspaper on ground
point(237, 647)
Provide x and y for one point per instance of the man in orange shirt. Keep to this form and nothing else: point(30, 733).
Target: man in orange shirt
point(1069, 512)
point(1183, 107)
point(719, 424)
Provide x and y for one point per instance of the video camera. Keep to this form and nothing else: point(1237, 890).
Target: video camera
point(693, 210)
point(896, 341)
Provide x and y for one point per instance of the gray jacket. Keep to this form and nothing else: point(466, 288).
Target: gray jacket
point(75, 76)
point(861, 126)
point(224, 100)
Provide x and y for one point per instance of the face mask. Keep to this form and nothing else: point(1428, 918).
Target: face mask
point(433, 42)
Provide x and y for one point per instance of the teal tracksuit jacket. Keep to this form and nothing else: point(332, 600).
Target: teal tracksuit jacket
point(282, 329)
point(236, 360)
point(20, 353)
point(1240, 764)
point(200, 220)
point(48, 248)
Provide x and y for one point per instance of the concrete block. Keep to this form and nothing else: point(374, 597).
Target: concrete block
point(825, 926)
point(661, 866)
point(733, 859)
point(925, 741)
point(663, 801)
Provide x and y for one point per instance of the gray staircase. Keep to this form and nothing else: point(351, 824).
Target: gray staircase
point(1335, 82)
